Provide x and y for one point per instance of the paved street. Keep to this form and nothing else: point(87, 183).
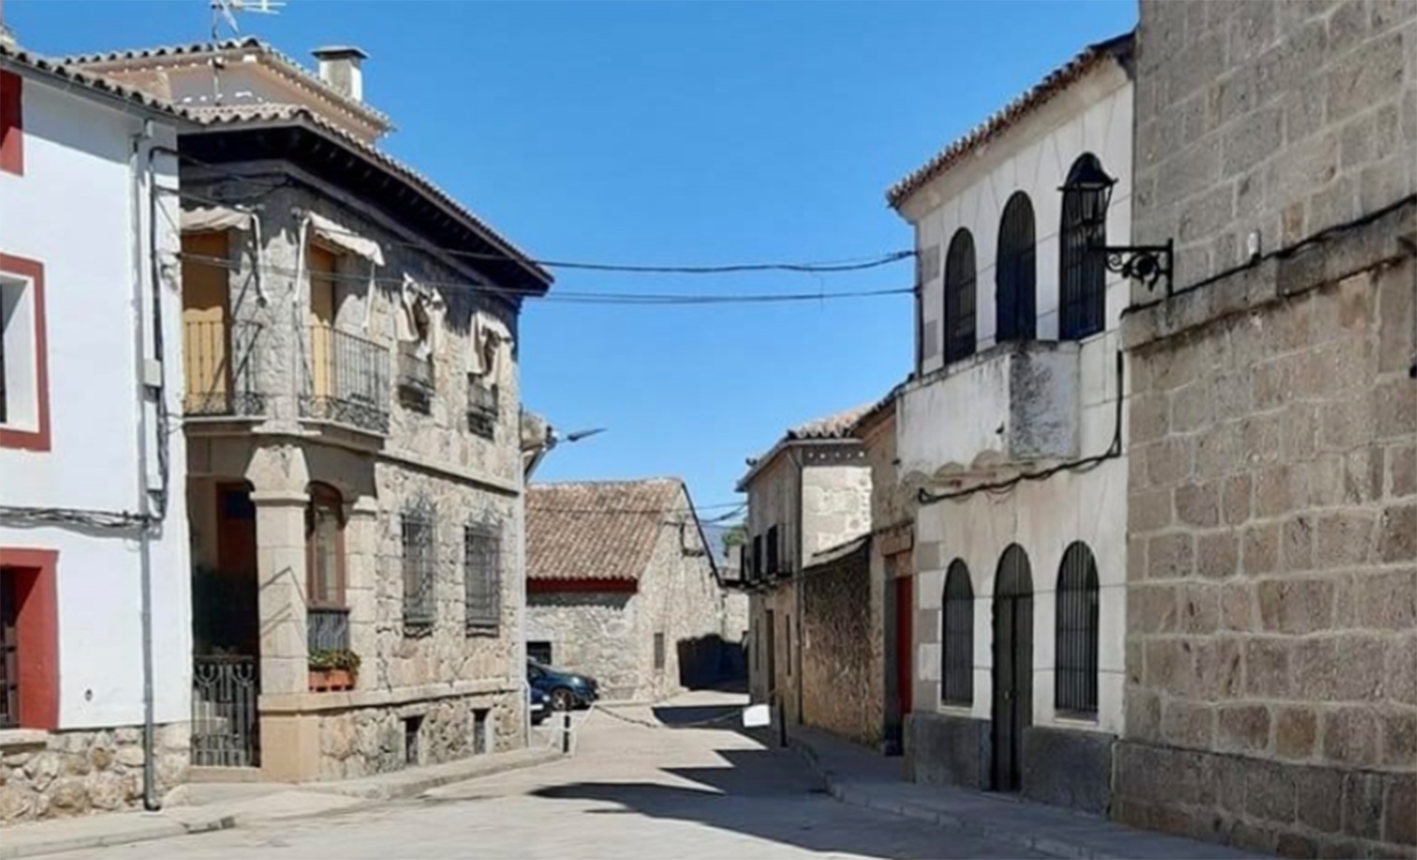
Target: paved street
point(631, 791)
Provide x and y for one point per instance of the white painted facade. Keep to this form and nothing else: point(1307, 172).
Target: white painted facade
point(80, 208)
point(972, 422)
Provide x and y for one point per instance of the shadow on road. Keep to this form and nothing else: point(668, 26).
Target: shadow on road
point(735, 797)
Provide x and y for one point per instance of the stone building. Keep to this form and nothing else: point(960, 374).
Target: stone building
point(1011, 444)
point(352, 423)
point(810, 495)
point(621, 585)
point(1271, 649)
point(94, 611)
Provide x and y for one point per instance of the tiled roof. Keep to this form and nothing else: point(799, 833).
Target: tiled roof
point(837, 426)
point(98, 84)
point(1037, 96)
point(876, 409)
point(279, 59)
point(257, 114)
point(597, 530)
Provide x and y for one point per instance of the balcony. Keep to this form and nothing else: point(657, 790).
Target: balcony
point(346, 380)
point(219, 363)
point(1017, 402)
point(415, 377)
point(482, 407)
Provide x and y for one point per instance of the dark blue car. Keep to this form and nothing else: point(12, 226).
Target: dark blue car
point(566, 690)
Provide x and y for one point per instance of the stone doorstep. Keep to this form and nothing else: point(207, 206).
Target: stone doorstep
point(1052, 831)
point(99, 831)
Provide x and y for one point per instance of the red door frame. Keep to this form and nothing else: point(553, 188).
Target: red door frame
point(37, 632)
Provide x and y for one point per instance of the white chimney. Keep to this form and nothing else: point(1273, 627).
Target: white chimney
point(339, 67)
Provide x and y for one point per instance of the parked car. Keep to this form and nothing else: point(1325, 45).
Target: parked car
point(540, 705)
point(566, 690)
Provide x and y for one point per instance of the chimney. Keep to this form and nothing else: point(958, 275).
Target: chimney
point(339, 67)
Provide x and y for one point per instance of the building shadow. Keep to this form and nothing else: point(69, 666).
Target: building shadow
point(733, 797)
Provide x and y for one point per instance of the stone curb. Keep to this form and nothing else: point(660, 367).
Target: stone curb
point(404, 784)
point(159, 827)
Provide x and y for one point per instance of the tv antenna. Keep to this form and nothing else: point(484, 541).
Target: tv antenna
point(224, 13)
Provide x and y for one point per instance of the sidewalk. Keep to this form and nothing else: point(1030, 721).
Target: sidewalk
point(202, 807)
point(859, 777)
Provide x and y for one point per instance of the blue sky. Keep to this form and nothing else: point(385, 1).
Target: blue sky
point(670, 133)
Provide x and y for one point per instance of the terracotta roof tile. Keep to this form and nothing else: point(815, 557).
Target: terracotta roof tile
point(597, 530)
point(1037, 96)
point(96, 83)
point(836, 426)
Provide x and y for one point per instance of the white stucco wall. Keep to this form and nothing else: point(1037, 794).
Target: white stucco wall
point(72, 210)
point(954, 415)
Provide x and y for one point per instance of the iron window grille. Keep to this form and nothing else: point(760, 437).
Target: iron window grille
point(959, 297)
point(1077, 644)
point(9, 652)
point(419, 569)
point(758, 569)
point(774, 567)
point(482, 577)
point(659, 651)
point(483, 406)
point(1082, 269)
point(1016, 273)
point(415, 376)
point(957, 686)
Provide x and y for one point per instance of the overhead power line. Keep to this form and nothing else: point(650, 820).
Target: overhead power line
point(566, 296)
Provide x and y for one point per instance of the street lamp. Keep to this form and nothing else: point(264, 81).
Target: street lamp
point(1092, 188)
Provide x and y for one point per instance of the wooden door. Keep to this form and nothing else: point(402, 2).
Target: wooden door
point(1013, 668)
point(321, 265)
point(206, 330)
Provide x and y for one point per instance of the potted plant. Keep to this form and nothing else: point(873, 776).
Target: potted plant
point(333, 670)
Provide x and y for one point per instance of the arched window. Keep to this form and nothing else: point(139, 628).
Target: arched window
point(324, 547)
point(957, 687)
point(1077, 632)
point(1015, 274)
point(959, 297)
point(1083, 274)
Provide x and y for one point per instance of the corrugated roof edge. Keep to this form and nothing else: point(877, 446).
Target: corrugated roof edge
point(98, 84)
point(1118, 48)
point(288, 64)
point(236, 116)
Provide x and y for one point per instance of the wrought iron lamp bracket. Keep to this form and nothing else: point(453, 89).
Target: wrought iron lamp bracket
point(1149, 264)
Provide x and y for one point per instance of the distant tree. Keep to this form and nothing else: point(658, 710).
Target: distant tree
point(734, 535)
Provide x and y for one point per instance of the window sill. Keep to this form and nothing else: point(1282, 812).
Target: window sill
point(17, 738)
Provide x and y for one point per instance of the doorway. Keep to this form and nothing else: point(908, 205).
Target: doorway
point(1013, 667)
point(904, 637)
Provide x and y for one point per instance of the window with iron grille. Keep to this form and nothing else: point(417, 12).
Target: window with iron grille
point(959, 297)
point(773, 553)
point(1077, 632)
point(482, 407)
point(419, 569)
point(758, 569)
point(1015, 273)
point(1082, 269)
point(482, 577)
point(9, 652)
point(659, 650)
point(957, 687)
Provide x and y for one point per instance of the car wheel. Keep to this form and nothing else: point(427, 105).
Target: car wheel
point(563, 699)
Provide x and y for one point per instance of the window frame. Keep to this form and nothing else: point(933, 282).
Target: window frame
point(1082, 272)
point(27, 277)
point(418, 530)
point(328, 497)
point(482, 543)
point(1016, 272)
point(957, 637)
point(1077, 642)
point(660, 656)
point(961, 310)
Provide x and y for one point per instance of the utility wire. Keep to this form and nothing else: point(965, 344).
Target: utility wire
point(565, 297)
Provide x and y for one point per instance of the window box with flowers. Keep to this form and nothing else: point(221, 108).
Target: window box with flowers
point(333, 671)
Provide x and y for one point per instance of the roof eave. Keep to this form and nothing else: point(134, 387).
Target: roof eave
point(143, 105)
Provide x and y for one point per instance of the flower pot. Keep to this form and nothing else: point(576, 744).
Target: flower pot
point(331, 680)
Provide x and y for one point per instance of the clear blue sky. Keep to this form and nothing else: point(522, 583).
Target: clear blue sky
point(668, 133)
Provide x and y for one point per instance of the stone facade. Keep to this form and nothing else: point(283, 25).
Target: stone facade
point(366, 741)
point(66, 773)
point(1272, 602)
point(841, 670)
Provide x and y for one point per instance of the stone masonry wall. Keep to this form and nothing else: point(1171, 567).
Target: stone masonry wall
point(367, 741)
point(682, 600)
point(1272, 613)
point(841, 675)
point(69, 773)
point(592, 633)
point(1278, 117)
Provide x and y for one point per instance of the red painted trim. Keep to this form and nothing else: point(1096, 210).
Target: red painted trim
point(32, 440)
point(12, 124)
point(551, 586)
point(36, 591)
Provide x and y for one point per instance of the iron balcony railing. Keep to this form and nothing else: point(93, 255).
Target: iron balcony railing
point(415, 376)
point(346, 379)
point(219, 361)
point(482, 407)
point(327, 629)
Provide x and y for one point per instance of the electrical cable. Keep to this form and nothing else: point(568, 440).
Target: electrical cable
point(114, 520)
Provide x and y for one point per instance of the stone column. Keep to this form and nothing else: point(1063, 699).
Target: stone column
point(361, 567)
point(280, 569)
